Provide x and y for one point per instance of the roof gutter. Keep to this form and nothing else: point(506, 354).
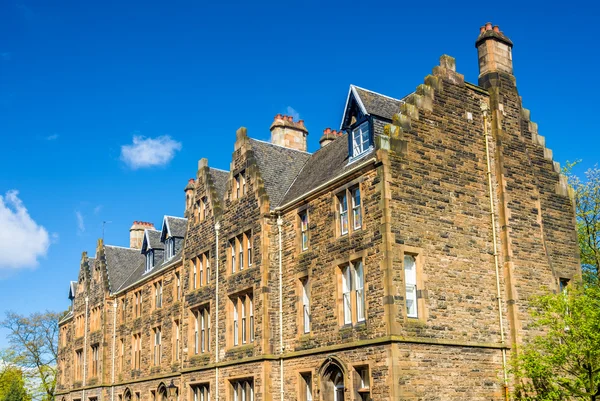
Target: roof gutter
point(326, 184)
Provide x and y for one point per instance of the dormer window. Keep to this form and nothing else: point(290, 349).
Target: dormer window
point(149, 260)
point(361, 139)
point(170, 248)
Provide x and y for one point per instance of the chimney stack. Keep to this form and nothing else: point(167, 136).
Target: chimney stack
point(494, 50)
point(286, 132)
point(136, 233)
point(329, 136)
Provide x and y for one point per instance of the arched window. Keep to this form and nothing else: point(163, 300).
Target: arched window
point(162, 393)
point(333, 386)
point(127, 395)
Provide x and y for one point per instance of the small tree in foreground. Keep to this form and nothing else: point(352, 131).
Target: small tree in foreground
point(563, 363)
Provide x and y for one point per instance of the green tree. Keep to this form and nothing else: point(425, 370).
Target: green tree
point(34, 341)
point(12, 383)
point(564, 362)
point(587, 213)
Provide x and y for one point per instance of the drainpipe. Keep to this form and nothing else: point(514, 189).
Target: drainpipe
point(485, 109)
point(217, 228)
point(279, 229)
point(114, 343)
point(85, 335)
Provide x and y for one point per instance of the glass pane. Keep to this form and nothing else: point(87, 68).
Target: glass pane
point(410, 271)
point(347, 309)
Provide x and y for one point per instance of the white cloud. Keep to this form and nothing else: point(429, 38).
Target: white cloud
point(98, 209)
point(22, 240)
point(291, 112)
point(149, 152)
point(80, 222)
point(52, 137)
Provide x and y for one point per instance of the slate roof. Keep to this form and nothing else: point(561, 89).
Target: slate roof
point(176, 227)
point(376, 103)
point(120, 263)
point(72, 289)
point(219, 178)
point(152, 240)
point(138, 272)
point(325, 164)
point(279, 167)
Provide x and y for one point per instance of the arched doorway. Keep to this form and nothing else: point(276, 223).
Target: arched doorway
point(127, 395)
point(332, 381)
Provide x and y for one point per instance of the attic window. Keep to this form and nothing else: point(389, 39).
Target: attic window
point(170, 248)
point(149, 260)
point(361, 139)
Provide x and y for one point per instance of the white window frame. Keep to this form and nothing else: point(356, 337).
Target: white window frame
point(232, 246)
point(356, 208)
point(410, 279)
point(305, 306)
point(343, 210)
point(361, 138)
point(304, 229)
point(248, 236)
point(235, 321)
point(149, 260)
point(359, 288)
point(347, 293)
point(157, 346)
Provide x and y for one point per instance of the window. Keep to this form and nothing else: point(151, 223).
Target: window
point(95, 319)
point(201, 392)
point(137, 351)
point(354, 220)
point(203, 208)
point(170, 248)
point(243, 390)
point(122, 364)
point(563, 284)
point(362, 379)
point(194, 274)
point(353, 292)
point(78, 364)
point(157, 346)
point(410, 278)
point(240, 255)
point(177, 286)
point(158, 294)
point(240, 185)
point(360, 139)
point(303, 230)
point(202, 330)
point(242, 310)
point(306, 387)
point(149, 260)
point(123, 310)
point(63, 336)
point(138, 303)
point(305, 305)
point(95, 358)
point(79, 326)
point(201, 266)
point(176, 341)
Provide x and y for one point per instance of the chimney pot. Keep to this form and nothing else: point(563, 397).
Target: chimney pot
point(301, 123)
point(482, 29)
point(488, 26)
point(496, 28)
point(326, 131)
point(277, 117)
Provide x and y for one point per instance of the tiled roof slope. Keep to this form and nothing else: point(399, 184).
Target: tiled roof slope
point(177, 226)
point(378, 104)
point(138, 273)
point(279, 166)
point(153, 237)
point(323, 165)
point(219, 178)
point(120, 263)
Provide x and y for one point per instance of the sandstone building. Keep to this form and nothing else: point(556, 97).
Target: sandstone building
point(394, 263)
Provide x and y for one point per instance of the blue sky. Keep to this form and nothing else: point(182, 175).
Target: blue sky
point(81, 80)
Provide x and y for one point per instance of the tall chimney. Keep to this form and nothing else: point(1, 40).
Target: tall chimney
point(289, 133)
point(494, 51)
point(136, 233)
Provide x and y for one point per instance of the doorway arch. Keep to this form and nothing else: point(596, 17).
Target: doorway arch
point(333, 383)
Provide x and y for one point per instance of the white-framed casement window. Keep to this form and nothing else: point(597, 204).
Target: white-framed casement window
point(137, 351)
point(240, 244)
point(194, 273)
point(242, 390)
point(363, 381)
point(353, 292)
point(349, 220)
point(78, 364)
point(305, 305)
point(95, 358)
point(356, 210)
point(240, 252)
point(201, 264)
point(158, 288)
point(176, 340)
point(201, 392)
point(169, 248)
point(138, 303)
point(242, 310)
point(157, 345)
point(149, 260)
point(303, 230)
point(232, 256)
point(248, 240)
point(410, 278)
point(177, 286)
point(202, 330)
point(361, 140)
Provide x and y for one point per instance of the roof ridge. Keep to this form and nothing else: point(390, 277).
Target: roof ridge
point(280, 146)
point(218, 169)
point(176, 217)
point(117, 246)
point(377, 93)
